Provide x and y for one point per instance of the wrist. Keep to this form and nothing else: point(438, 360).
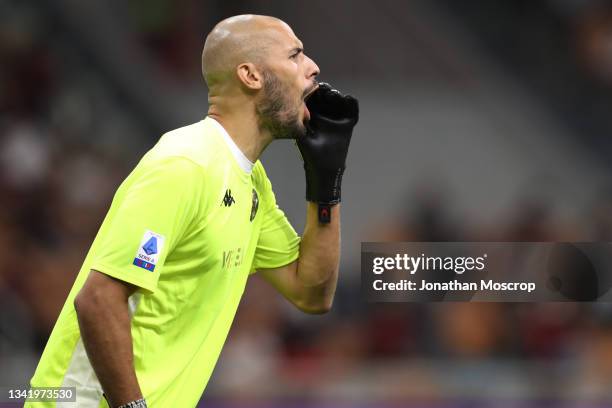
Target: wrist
point(324, 186)
point(139, 403)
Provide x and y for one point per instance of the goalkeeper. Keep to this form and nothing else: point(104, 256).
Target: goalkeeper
point(153, 302)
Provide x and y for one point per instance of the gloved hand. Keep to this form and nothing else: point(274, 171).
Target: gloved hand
point(325, 145)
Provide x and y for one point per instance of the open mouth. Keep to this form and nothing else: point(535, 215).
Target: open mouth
point(306, 113)
point(308, 95)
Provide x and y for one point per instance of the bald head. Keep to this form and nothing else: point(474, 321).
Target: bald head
point(237, 40)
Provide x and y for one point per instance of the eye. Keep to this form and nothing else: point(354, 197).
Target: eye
point(296, 53)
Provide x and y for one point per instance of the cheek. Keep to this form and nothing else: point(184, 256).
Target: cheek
point(296, 73)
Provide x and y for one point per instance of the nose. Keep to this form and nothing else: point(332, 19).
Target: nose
point(312, 68)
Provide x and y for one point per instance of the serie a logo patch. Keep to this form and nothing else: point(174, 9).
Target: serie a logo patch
point(148, 252)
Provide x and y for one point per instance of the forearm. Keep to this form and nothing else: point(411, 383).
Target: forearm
point(310, 283)
point(317, 269)
point(105, 331)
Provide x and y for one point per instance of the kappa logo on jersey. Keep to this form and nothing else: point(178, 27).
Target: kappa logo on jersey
point(228, 200)
point(148, 252)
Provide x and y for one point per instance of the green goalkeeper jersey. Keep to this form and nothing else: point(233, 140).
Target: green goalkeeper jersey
point(188, 226)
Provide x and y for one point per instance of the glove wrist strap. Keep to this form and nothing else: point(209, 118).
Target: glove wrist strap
point(324, 213)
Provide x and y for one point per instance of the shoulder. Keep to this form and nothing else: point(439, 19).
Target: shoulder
point(263, 185)
point(195, 142)
point(260, 178)
point(170, 173)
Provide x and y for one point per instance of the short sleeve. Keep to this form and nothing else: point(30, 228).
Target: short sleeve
point(150, 213)
point(278, 244)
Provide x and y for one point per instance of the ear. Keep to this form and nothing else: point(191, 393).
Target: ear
point(249, 75)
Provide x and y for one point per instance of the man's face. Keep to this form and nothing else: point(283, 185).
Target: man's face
point(289, 77)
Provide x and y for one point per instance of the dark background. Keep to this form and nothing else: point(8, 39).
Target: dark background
point(481, 120)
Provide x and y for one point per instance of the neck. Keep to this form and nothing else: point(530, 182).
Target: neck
point(240, 122)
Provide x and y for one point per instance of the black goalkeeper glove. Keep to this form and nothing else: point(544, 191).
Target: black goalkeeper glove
point(325, 145)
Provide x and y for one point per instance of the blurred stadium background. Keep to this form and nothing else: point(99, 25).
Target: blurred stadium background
point(481, 120)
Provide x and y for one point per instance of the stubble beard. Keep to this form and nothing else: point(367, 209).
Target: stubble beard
point(278, 113)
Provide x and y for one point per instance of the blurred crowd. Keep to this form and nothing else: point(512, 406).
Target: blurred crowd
point(527, 351)
point(561, 49)
point(66, 142)
point(60, 162)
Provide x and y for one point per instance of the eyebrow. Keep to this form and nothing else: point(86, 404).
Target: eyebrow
point(296, 50)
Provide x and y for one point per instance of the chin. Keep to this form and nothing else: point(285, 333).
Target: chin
point(300, 126)
point(301, 131)
point(291, 130)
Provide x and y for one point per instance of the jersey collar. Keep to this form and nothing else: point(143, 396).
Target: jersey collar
point(242, 160)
